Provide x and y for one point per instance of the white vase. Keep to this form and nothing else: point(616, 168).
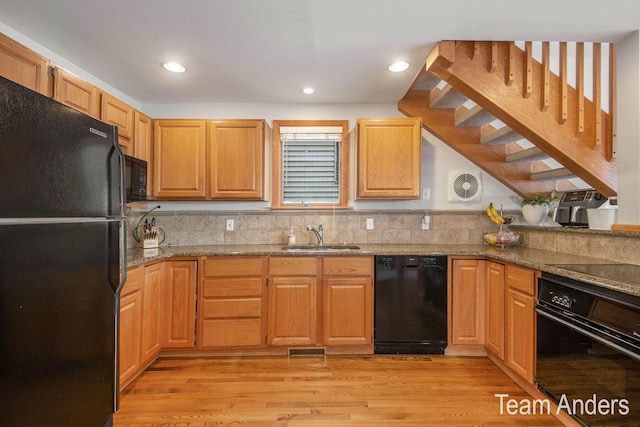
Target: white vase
point(535, 214)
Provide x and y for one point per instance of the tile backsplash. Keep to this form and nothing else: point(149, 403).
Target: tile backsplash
point(186, 228)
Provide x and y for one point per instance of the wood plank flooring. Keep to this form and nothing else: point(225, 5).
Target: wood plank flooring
point(390, 391)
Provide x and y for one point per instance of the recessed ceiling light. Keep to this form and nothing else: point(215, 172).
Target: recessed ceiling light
point(308, 90)
point(174, 67)
point(399, 66)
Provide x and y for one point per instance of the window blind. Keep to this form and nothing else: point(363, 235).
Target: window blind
point(310, 167)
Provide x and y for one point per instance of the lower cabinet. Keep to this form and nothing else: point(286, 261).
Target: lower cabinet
point(467, 299)
point(157, 310)
point(151, 324)
point(292, 293)
point(494, 311)
point(347, 301)
point(520, 326)
point(131, 325)
point(231, 303)
point(178, 305)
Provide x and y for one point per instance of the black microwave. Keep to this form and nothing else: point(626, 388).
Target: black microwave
point(135, 179)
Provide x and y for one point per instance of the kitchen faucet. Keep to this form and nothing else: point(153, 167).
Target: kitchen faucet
point(318, 233)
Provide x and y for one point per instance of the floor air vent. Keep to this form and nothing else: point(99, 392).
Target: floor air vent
point(313, 351)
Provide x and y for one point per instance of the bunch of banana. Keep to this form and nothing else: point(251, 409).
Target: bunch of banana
point(493, 214)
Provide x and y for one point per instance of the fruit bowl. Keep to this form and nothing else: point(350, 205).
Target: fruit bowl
point(502, 238)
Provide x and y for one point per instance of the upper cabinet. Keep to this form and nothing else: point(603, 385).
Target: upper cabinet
point(214, 160)
point(116, 112)
point(179, 159)
point(235, 159)
point(389, 158)
point(143, 144)
point(23, 66)
point(76, 93)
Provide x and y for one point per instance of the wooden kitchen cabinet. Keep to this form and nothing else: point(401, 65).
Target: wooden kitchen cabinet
point(143, 144)
point(467, 299)
point(292, 295)
point(347, 300)
point(116, 112)
point(231, 305)
point(178, 304)
point(179, 159)
point(151, 321)
point(235, 163)
point(495, 306)
point(25, 67)
point(131, 325)
point(389, 158)
point(76, 93)
point(520, 329)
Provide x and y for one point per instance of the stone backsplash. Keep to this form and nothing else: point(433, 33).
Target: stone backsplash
point(186, 228)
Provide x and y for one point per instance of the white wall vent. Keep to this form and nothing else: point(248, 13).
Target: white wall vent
point(464, 186)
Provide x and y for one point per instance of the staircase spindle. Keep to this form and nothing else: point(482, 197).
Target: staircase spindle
point(511, 63)
point(597, 95)
point(528, 77)
point(546, 76)
point(564, 86)
point(580, 89)
point(613, 87)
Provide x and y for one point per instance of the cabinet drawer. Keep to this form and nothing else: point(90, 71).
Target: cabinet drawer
point(135, 280)
point(232, 266)
point(347, 266)
point(231, 333)
point(292, 266)
point(232, 287)
point(521, 279)
point(231, 308)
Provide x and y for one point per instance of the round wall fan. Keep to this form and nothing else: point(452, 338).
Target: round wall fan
point(464, 186)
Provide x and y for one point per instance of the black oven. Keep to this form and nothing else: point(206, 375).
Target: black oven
point(588, 351)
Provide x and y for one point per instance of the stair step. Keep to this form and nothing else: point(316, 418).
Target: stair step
point(528, 155)
point(504, 135)
point(446, 98)
point(552, 174)
point(425, 81)
point(476, 116)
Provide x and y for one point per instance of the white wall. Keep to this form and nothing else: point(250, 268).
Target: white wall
point(628, 129)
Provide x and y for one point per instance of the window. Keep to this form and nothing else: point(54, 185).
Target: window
point(310, 164)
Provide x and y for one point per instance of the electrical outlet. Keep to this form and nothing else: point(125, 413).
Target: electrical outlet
point(230, 224)
point(426, 222)
point(426, 193)
point(369, 223)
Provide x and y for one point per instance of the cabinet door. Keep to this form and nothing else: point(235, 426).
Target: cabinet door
point(130, 333)
point(467, 302)
point(494, 285)
point(151, 328)
point(23, 66)
point(292, 315)
point(178, 304)
point(131, 325)
point(179, 158)
point(76, 93)
point(143, 144)
point(116, 112)
point(389, 158)
point(347, 308)
point(520, 334)
point(235, 166)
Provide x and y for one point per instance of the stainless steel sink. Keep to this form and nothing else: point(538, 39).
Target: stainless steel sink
point(317, 248)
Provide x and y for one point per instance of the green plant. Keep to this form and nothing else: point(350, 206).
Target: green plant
point(540, 199)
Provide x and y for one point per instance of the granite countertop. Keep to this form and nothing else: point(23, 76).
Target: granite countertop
point(533, 258)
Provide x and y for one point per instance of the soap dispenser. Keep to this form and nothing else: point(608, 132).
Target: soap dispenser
point(291, 238)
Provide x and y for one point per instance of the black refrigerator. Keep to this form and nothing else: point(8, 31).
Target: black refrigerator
point(62, 263)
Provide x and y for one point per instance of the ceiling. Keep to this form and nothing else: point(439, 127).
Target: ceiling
point(266, 51)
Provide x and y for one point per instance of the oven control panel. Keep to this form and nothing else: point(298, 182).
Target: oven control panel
point(563, 301)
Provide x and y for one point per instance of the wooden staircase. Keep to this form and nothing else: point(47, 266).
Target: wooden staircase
point(468, 89)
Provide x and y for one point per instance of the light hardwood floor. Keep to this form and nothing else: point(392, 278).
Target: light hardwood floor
point(390, 391)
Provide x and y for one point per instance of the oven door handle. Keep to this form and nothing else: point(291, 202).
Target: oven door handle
point(591, 335)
